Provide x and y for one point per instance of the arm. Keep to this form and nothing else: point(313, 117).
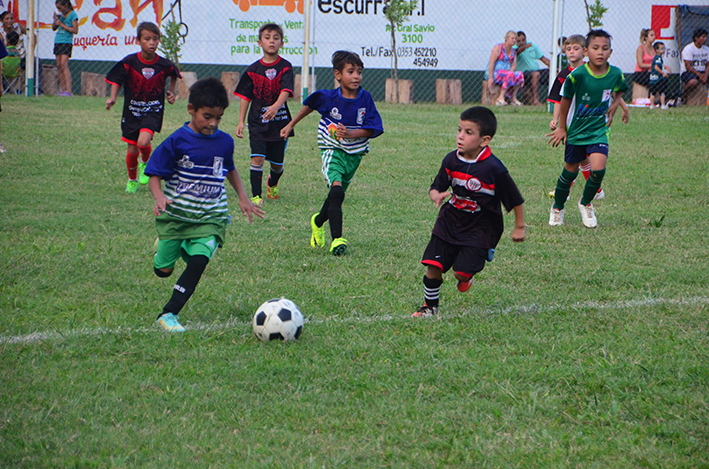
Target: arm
point(513, 68)
point(304, 111)
point(491, 66)
point(555, 120)
point(438, 197)
point(114, 95)
point(344, 132)
point(243, 110)
point(617, 98)
point(546, 62)
point(55, 21)
point(626, 115)
point(273, 110)
point(559, 134)
point(520, 231)
point(73, 29)
point(247, 208)
point(171, 90)
point(160, 200)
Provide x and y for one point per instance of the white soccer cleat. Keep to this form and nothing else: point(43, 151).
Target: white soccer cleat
point(588, 215)
point(556, 216)
point(600, 195)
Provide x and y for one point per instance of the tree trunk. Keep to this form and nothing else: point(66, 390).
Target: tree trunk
point(396, 63)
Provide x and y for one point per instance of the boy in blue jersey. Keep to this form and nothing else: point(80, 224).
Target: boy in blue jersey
point(593, 92)
point(191, 211)
point(349, 119)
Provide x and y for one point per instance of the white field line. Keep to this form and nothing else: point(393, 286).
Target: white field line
point(234, 323)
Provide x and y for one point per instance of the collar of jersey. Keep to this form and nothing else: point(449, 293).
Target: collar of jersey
point(339, 93)
point(145, 61)
point(590, 72)
point(269, 64)
point(197, 134)
point(483, 155)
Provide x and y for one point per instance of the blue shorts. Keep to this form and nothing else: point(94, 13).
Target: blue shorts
point(577, 153)
point(273, 152)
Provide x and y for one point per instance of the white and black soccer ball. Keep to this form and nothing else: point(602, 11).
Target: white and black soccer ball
point(278, 319)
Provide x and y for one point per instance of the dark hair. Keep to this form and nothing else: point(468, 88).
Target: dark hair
point(65, 3)
point(656, 45)
point(482, 116)
point(208, 92)
point(270, 27)
point(594, 33)
point(148, 26)
point(521, 33)
point(343, 57)
point(4, 14)
point(698, 33)
point(13, 38)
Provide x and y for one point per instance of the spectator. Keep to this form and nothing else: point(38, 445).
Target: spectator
point(8, 26)
point(694, 62)
point(501, 70)
point(528, 56)
point(644, 56)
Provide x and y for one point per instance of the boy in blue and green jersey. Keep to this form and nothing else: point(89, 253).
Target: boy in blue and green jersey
point(593, 92)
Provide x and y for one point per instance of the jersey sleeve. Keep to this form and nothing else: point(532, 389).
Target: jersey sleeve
point(555, 92)
point(317, 102)
point(372, 119)
point(174, 71)
point(570, 85)
point(117, 74)
point(245, 87)
point(621, 85)
point(441, 182)
point(509, 194)
point(287, 81)
point(162, 161)
point(229, 154)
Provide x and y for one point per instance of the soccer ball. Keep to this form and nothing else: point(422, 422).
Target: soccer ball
point(278, 319)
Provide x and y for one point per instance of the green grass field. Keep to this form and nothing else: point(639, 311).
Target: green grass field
point(577, 348)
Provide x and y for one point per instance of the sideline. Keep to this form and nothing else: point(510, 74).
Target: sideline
point(234, 323)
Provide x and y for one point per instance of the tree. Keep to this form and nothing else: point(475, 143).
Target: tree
point(171, 41)
point(397, 12)
point(594, 14)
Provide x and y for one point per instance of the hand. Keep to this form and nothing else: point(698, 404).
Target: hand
point(171, 97)
point(285, 131)
point(557, 136)
point(109, 103)
point(270, 113)
point(240, 130)
point(342, 131)
point(438, 197)
point(160, 204)
point(490, 83)
point(625, 116)
point(553, 124)
point(249, 209)
point(519, 234)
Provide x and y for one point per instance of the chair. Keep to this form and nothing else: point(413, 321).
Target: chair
point(12, 79)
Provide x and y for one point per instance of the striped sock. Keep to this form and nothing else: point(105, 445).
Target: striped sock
point(431, 290)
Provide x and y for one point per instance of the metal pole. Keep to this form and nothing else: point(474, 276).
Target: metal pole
point(554, 68)
point(30, 53)
point(305, 72)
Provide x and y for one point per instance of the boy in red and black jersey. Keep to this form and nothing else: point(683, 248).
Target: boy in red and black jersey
point(469, 223)
point(143, 77)
point(264, 88)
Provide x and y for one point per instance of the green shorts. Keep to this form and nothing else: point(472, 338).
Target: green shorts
point(169, 250)
point(338, 165)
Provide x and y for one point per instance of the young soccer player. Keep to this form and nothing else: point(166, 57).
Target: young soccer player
point(469, 224)
point(143, 77)
point(594, 92)
point(265, 86)
point(191, 211)
point(658, 75)
point(349, 120)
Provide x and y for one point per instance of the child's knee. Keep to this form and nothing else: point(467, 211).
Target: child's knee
point(257, 160)
point(337, 194)
point(163, 273)
point(434, 272)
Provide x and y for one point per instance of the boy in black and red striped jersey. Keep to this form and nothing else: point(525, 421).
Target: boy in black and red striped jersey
point(469, 224)
point(143, 77)
point(265, 86)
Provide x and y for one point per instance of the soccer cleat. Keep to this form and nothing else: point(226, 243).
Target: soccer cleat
point(600, 195)
point(588, 215)
point(271, 192)
point(169, 323)
point(552, 195)
point(556, 216)
point(2, 148)
point(465, 286)
point(426, 311)
point(132, 187)
point(317, 239)
point(338, 246)
point(142, 178)
point(257, 200)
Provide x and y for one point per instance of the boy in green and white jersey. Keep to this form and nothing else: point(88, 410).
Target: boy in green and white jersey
point(594, 92)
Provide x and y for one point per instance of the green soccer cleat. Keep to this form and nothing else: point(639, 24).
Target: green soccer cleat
point(271, 192)
point(317, 239)
point(338, 246)
point(132, 187)
point(168, 323)
point(257, 200)
point(142, 178)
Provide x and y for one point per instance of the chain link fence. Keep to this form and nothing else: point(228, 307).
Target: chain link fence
point(442, 51)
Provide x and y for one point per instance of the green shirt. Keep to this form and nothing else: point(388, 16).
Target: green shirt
point(591, 96)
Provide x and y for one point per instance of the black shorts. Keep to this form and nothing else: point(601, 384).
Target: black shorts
point(274, 152)
point(62, 49)
point(641, 78)
point(465, 260)
point(659, 87)
point(132, 126)
point(688, 76)
point(577, 153)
